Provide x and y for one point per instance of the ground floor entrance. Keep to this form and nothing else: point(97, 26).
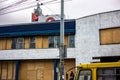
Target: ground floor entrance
point(33, 69)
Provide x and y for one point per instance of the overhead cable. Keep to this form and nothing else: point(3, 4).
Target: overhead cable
point(19, 2)
point(30, 6)
point(1, 1)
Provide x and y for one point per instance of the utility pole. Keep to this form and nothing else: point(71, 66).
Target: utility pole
point(61, 51)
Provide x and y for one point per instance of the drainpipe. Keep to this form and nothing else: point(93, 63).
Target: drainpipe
point(17, 70)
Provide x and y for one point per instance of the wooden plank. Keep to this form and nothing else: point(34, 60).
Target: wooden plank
point(7, 71)
point(106, 36)
point(36, 70)
point(9, 43)
point(66, 40)
point(39, 64)
point(49, 74)
point(39, 41)
point(14, 70)
point(26, 42)
point(116, 35)
point(48, 70)
point(31, 65)
point(40, 74)
point(4, 43)
point(31, 75)
point(0, 44)
point(23, 70)
point(48, 64)
point(45, 41)
point(0, 69)
point(4, 70)
point(10, 70)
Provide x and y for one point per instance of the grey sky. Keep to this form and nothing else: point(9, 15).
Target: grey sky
point(73, 9)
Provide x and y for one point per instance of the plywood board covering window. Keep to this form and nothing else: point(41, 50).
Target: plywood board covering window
point(36, 70)
point(7, 70)
point(45, 41)
point(8, 43)
point(66, 40)
point(3, 43)
point(116, 35)
point(26, 42)
point(110, 36)
point(38, 41)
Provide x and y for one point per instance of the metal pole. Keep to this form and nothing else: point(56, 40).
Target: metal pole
point(62, 42)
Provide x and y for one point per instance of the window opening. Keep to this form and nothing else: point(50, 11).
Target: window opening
point(17, 43)
point(84, 75)
point(71, 41)
point(32, 42)
point(108, 74)
point(54, 41)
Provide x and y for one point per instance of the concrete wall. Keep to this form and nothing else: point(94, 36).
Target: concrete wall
point(87, 37)
point(34, 54)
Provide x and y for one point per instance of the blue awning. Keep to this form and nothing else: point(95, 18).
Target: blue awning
point(50, 28)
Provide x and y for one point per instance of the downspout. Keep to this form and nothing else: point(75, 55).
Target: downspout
point(17, 70)
point(55, 71)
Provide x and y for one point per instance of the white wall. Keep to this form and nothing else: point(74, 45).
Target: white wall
point(52, 53)
point(88, 39)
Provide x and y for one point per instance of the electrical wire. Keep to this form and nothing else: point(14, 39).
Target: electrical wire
point(25, 8)
point(19, 2)
point(1, 1)
point(24, 4)
point(17, 10)
point(49, 2)
point(58, 17)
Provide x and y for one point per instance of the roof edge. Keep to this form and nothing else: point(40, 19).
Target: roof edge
point(98, 14)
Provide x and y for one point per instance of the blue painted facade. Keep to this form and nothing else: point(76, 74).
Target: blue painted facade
point(50, 28)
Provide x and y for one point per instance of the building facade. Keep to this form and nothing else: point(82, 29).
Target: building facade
point(97, 35)
point(31, 51)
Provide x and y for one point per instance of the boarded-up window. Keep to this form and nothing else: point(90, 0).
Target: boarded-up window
point(39, 41)
point(32, 42)
point(7, 70)
point(110, 36)
point(45, 41)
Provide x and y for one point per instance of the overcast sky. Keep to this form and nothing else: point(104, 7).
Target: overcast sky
point(73, 9)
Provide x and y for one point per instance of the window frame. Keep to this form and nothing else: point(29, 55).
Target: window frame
point(106, 75)
point(13, 45)
point(100, 38)
point(85, 70)
point(17, 44)
point(56, 41)
point(52, 42)
point(32, 42)
point(70, 42)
